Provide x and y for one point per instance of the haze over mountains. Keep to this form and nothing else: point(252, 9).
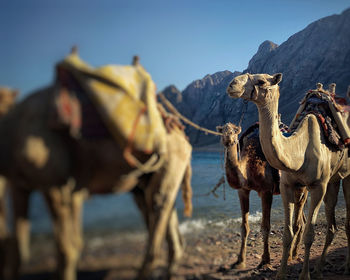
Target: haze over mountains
point(318, 53)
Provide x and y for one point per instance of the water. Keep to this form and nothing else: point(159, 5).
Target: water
point(119, 213)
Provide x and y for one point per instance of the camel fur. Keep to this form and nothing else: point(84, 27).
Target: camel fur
point(304, 160)
point(39, 153)
point(252, 172)
point(8, 99)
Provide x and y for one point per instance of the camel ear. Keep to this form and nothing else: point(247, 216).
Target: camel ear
point(238, 130)
point(277, 78)
point(219, 129)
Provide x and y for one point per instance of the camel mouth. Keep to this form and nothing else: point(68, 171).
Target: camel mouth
point(234, 93)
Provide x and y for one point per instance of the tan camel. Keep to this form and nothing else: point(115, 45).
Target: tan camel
point(252, 172)
point(39, 153)
point(7, 100)
point(304, 160)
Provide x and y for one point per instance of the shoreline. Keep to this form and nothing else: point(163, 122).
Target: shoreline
point(208, 254)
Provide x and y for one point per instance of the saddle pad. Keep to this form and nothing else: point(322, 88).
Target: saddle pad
point(126, 99)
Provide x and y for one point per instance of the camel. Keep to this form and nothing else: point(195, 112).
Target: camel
point(8, 98)
point(252, 172)
point(40, 153)
point(304, 160)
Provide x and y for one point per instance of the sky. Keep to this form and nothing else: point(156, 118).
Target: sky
point(177, 41)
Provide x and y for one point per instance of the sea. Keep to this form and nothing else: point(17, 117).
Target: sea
point(119, 214)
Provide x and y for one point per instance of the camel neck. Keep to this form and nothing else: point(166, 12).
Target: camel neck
point(280, 151)
point(232, 154)
point(233, 166)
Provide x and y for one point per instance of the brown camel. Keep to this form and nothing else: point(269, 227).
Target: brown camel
point(39, 153)
point(304, 160)
point(7, 100)
point(252, 172)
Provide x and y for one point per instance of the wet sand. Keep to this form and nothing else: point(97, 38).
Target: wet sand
point(208, 255)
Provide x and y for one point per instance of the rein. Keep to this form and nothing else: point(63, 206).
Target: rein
point(180, 116)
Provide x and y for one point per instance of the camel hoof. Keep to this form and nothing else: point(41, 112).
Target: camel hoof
point(265, 267)
point(238, 265)
point(173, 268)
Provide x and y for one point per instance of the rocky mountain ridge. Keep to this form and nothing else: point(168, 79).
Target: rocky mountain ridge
point(318, 53)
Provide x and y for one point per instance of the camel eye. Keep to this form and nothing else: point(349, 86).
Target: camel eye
point(261, 82)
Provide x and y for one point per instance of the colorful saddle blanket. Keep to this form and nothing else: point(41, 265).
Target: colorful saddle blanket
point(332, 113)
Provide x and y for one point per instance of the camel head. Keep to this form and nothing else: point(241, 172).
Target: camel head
point(7, 99)
point(230, 134)
point(254, 87)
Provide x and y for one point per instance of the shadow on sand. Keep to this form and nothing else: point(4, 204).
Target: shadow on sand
point(332, 270)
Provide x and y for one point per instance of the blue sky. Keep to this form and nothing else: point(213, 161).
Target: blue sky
point(178, 41)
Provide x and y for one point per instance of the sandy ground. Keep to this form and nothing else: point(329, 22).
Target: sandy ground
point(208, 255)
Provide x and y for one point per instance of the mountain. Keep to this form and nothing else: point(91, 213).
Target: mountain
point(206, 103)
point(318, 53)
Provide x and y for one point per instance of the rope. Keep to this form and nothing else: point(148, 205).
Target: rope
point(244, 110)
point(223, 169)
point(219, 183)
point(176, 113)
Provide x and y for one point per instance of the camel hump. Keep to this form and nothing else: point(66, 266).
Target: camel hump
point(251, 131)
point(125, 97)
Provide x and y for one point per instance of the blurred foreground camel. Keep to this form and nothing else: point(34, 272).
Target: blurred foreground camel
point(304, 160)
point(7, 100)
point(40, 153)
point(250, 172)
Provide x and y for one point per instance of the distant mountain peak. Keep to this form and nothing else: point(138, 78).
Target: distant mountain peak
point(210, 80)
point(318, 53)
point(265, 49)
point(267, 46)
point(173, 93)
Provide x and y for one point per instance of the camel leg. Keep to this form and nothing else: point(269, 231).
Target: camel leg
point(175, 242)
point(317, 194)
point(346, 191)
point(299, 220)
point(330, 201)
point(173, 236)
point(20, 250)
point(244, 203)
point(3, 225)
point(78, 198)
point(160, 196)
point(266, 202)
point(287, 193)
point(60, 202)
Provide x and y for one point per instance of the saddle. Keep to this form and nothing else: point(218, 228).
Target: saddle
point(331, 111)
point(124, 98)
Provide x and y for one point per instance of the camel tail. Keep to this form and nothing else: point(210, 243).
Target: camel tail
point(187, 191)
